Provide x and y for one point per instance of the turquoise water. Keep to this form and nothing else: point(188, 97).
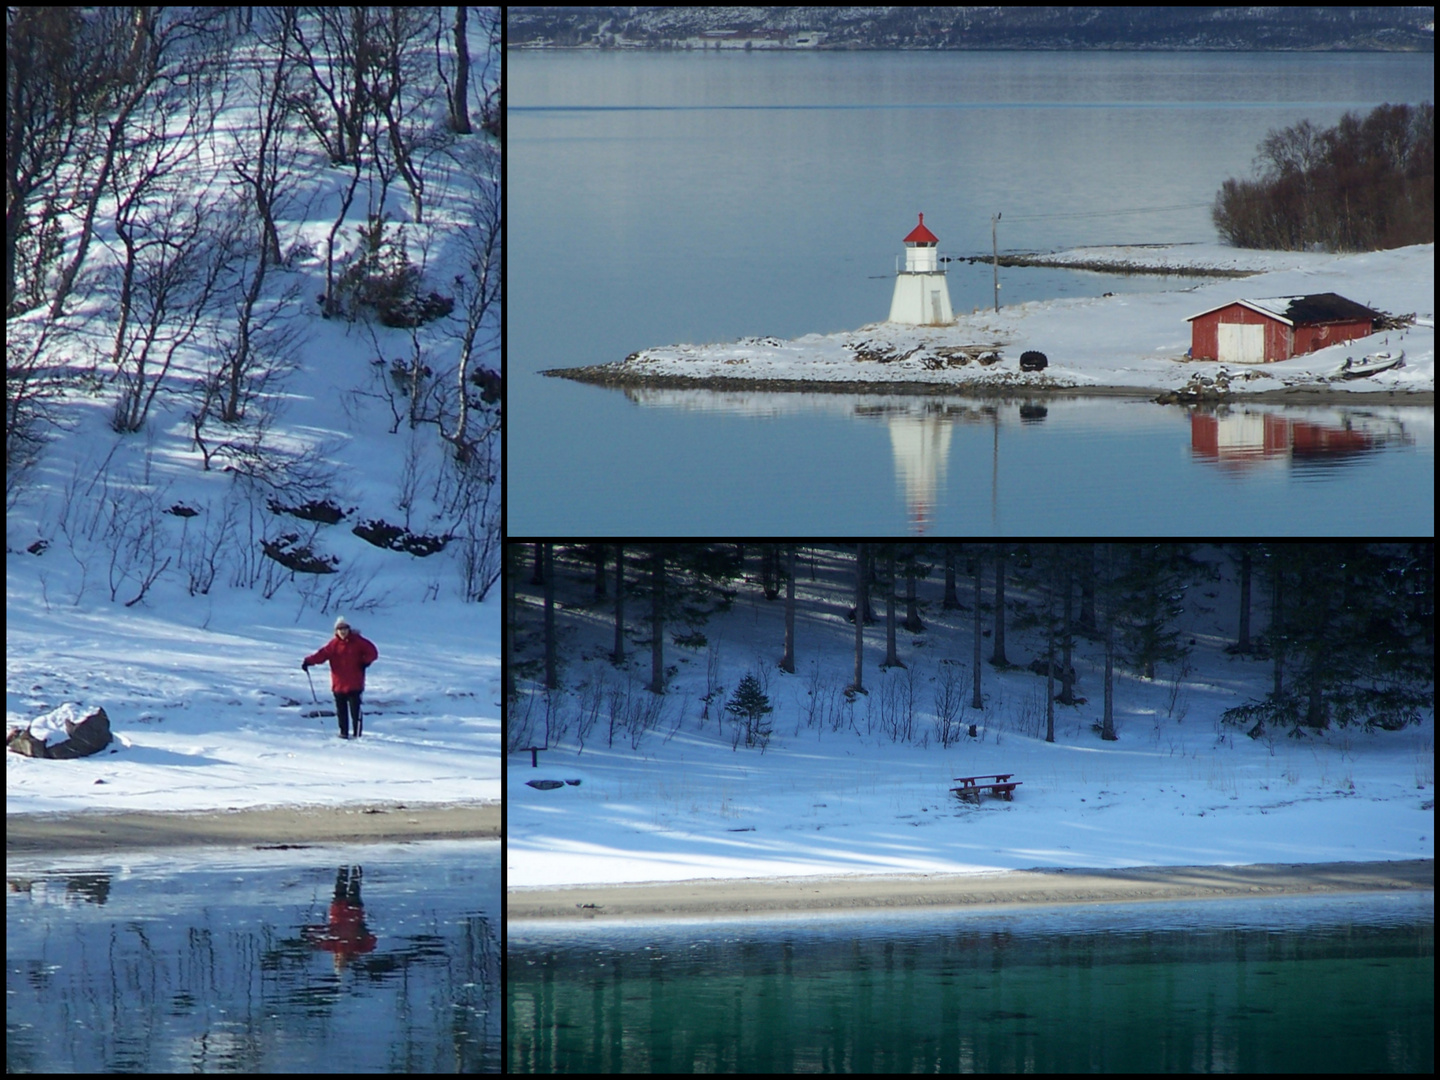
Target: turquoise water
point(1269, 985)
point(332, 958)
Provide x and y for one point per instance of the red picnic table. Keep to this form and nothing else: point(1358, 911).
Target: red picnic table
point(995, 783)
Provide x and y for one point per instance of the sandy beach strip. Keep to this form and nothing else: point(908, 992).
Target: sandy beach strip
point(103, 831)
point(768, 896)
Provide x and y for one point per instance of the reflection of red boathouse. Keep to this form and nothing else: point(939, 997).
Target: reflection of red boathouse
point(1245, 439)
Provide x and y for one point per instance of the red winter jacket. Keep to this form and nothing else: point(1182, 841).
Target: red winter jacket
point(348, 661)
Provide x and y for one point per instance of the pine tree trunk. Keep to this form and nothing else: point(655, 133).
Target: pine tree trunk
point(1067, 672)
point(891, 660)
point(951, 600)
point(551, 678)
point(975, 702)
point(1087, 591)
point(1244, 643)
point(998, 658)
point(858, 685)
point(1107, 725)
point(657, 623)
point(1049, 675)
point(619, 654)
point(1277, 633)
point(787, 662)
point(912, 604)
point(510, 619)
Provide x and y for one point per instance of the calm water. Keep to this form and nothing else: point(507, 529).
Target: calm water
point(665, 198)
point(366, 958)
point(1295, 985)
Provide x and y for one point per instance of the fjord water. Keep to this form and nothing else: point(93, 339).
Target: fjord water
point(361, 958)
point(1295, 985)
point(663, 197)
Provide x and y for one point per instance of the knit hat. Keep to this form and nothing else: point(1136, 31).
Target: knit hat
point(342, 621)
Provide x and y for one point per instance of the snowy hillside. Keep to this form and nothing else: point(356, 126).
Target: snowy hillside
point(863, 786)
point(220, 435)
point(1133, 341)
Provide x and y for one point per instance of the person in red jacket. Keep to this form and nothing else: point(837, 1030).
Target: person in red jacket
point(349, 655)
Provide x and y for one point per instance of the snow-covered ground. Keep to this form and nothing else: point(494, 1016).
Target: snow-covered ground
point(1135, 341)
point(188, 636)
point(1178, 788)
point(218, 717)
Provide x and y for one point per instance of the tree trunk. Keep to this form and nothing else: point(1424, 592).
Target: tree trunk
point(912, 604)
point(1107, 725)
point(1087, 591)
point(657, 623)
point(787, 662)
point(538, 577)
point(1067, 672)
point(998, 658)
point(891, 660)
point(619, 654)
point(1244, 643)
point(460, 99)
point(510, 620)
point(1277, 633)
point(551, 679)
point(858, 685)
point(975, 702)
point(600, 554)
point(951, 600)
point(1049, 671)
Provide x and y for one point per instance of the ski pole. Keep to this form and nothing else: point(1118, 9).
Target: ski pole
point(312, 687)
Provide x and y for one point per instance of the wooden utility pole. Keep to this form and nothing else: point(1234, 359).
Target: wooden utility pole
point(995, 254)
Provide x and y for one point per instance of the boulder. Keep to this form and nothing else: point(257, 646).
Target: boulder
point(66, 732)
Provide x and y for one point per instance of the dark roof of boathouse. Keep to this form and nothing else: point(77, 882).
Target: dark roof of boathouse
point(1305, 310)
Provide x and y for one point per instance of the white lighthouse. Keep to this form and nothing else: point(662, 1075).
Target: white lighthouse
point(921, 295)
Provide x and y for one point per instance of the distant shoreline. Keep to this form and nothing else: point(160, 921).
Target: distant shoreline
point(771, 896)
point(615, 377)
point(63, 834)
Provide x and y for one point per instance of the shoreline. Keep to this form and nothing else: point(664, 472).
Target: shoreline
point(611, 376)
point(1101, 266)
point(64, 833)
point(719, 898)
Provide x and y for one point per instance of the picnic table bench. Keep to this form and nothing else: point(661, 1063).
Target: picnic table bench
point(995, 783)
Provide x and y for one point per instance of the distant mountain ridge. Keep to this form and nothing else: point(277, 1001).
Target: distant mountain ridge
point(1382, 29)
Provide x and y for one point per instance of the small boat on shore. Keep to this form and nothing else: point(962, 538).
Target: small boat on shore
point(1370, 365)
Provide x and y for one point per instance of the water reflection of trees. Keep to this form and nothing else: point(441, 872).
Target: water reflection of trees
point(232, 985)
point(968, 1000)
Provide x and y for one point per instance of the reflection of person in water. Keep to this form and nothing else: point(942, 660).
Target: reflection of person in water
point(345, 935)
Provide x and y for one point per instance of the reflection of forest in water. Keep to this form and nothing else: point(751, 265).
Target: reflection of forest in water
point(257, 969)
point(1103, 438)
point(1222, 985)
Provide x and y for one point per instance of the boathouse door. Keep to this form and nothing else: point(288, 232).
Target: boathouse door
point(1241, 344)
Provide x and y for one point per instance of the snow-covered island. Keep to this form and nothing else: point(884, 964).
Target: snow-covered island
point(1123, 343)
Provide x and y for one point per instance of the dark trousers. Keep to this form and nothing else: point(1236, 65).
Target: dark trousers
point(347, 711)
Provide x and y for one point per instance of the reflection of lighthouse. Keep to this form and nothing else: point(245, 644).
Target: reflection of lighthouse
point(922, 451)
point(921, 296)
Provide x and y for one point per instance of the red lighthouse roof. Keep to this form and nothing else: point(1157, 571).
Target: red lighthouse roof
point(921, 235)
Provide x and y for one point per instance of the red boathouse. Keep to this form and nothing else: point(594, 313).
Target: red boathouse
point(1263, 331)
